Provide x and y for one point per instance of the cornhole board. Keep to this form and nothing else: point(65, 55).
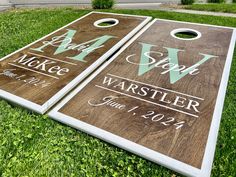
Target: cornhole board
point(160, 96)
point(41, 73)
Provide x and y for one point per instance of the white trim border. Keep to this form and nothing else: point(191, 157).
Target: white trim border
point(215, 124)
point(61, 93)
point(142, 151)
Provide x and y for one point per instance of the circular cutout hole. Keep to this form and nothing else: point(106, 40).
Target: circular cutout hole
point(106, 22)
point(186, 34)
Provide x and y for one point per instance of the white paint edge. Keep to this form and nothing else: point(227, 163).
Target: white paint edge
point(130, 146)
point(215, 125)
point(191, 23)
point(114, 139)
point(16, 99)
point(55, 98)
point(128, 15)
point(142, 151)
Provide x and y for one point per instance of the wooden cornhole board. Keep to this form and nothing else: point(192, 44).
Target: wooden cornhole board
point(41, 73)
point(160, 97)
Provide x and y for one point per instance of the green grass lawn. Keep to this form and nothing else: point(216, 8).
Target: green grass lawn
point(227, 8)
point(34, 145)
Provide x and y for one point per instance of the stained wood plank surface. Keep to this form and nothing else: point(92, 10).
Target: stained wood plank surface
point(159, 93)
point(38, 72)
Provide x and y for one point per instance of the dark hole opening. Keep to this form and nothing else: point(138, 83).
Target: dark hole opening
point(186, 35)
point(107, 23)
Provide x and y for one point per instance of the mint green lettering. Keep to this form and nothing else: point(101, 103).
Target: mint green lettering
point(61, 42)
point(144, 67)
point(98, 44)
point(176, 73)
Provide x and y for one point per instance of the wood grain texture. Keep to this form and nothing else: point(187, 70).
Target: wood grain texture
point(186, 144)
point(85, 31)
